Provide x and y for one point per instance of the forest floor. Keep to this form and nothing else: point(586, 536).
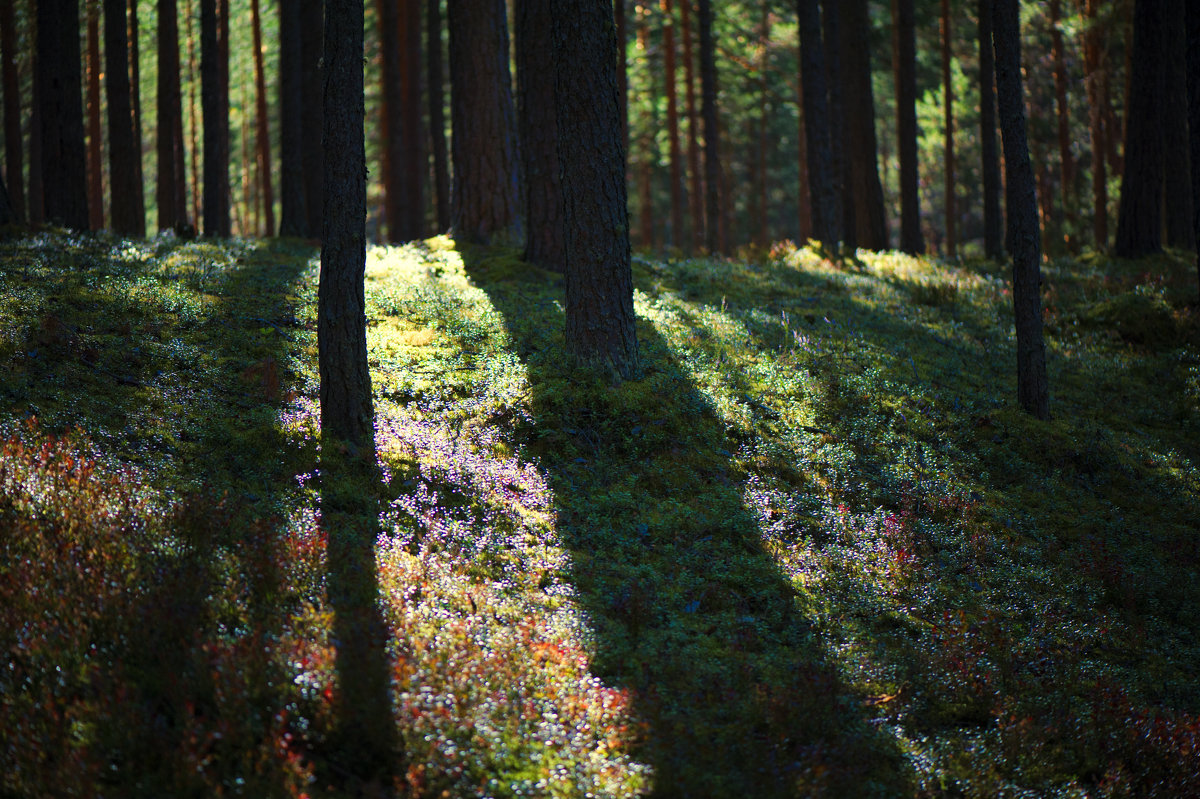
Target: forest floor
point(816, 550)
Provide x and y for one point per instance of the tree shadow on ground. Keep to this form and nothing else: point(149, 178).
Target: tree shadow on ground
point(689, 611)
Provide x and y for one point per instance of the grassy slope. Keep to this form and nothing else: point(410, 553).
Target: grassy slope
point(815, 550)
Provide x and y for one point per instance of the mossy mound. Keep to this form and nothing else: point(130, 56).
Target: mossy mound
point(1142, 316)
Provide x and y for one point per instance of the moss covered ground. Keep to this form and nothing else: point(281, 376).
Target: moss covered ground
point(815, 550)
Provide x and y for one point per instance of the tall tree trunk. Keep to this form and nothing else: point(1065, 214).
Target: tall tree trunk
point(676, 238)
point(912, 240)
point(712, 140)
point(1021, 200)
point(486, 192)
point(804, 190)
point(826, 202)
point(1176, 140)
point(599, 283)
point(312, 26)
point(538, 133)
point(293, 217)
point(60, 98)
point(437, 117)
point(171, 186)
point(1193, 65)
point(7, 215)
point(993, 223)
point(262, 136)
point(223, 88)
point(645, 152)
point(415, 162)
point(95, 138)
point(619, 19)
point(14, 161)
point(193, 114)
point(135, 97)
point(951, 248)
point(126, 201)
point(838, 127)
point(1097, 94)
point(1139, 220)
point(1065, 158)
point(695, 191)
point(863, 189)
point(761, 226)
point(216, 125)
point(37, 185)
point(392, 120)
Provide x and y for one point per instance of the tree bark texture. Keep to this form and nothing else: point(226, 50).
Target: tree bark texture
point(95, 136)
point(951, 248)
point(125, 188)
point(216, 123)
point(396, 199)
point(437, 114)
point(262, 134)
point(863, 188)
point(1097, 94)
point(677, 236)
point(1024, 238)
point(415, 161)
point(135, 97)
point(599, 282)
point(1177, 150)
point(347, 413)
point(538, 128)
point(14, 160)
point(695, 192)
point(838, 129)
point(312, 26)
point(993, 221)
point(1139, 219)
point(193, 115)
point(293, 217)
point(912, 240)
point(60, 100)
point(712, 138)
point(804, 201)
point(1193, 62)
point(826, 203)
point(486, 191)
point(37, 185)
point(171, 184)
point(1066, 159)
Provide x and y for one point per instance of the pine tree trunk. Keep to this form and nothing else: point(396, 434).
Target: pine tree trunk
point(538, 133)
point(14, 161)
point(37, 185)
point(60, 99)
point(170, 188)
point(1021, 200)
point(415, 162)
point(676, 237)
point(95, 138)
point(1193, 65)
point(993, 222)
point(135, 97)
point(193, 114)
point(712, 139)
point(826, 202)
point(7, 214)
point(1177, 149)
point(128, 210)
point(804, 188)
point(486, 191)
point(1097, 94)
point(863, 188)
point(293, 217)
point(622, 70)
point(1065, 158)
point(951, 248)
point(695, 192)
point(599, 283)
point(838, 126)
point(761, 226)
point(912, 240)
point(392, 119)
point(216, 154)
point(437, 115)
point(312, 26)
point(647, 155)
point(262, 136)
point(1139, 220)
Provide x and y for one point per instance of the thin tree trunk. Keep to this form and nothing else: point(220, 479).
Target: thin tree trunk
point(993, 223)
point(804, 189)
point(311, 32)
point(1032, 388)
point(415, 161)
point(951, 249)
point(676, 238)
point(193, 114)
point(863, 188)
point(1193, 64)
point(826, 202)
point(95, 140)
point(838, 126)
point(696, 192)
point(223, 87)
point(262, 135)
point(538, 133)
point(646, 150)
point(905, 48)
point(1097, 93)
point(135, 92)
point(1139, 219)
point(599, 284)
point(60, 99)
point(437, 116)
point(293, 217)
point(391, 119)
point(622, 70)
point(761, 229)
point(1176, 140)
point(37, 194)
point(125, 199)
point(13, 156)
point(712, 141)
point(216, 123)
point(1065, 158)
point(170, 188)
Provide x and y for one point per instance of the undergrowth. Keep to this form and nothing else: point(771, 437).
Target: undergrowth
point(815, 550)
